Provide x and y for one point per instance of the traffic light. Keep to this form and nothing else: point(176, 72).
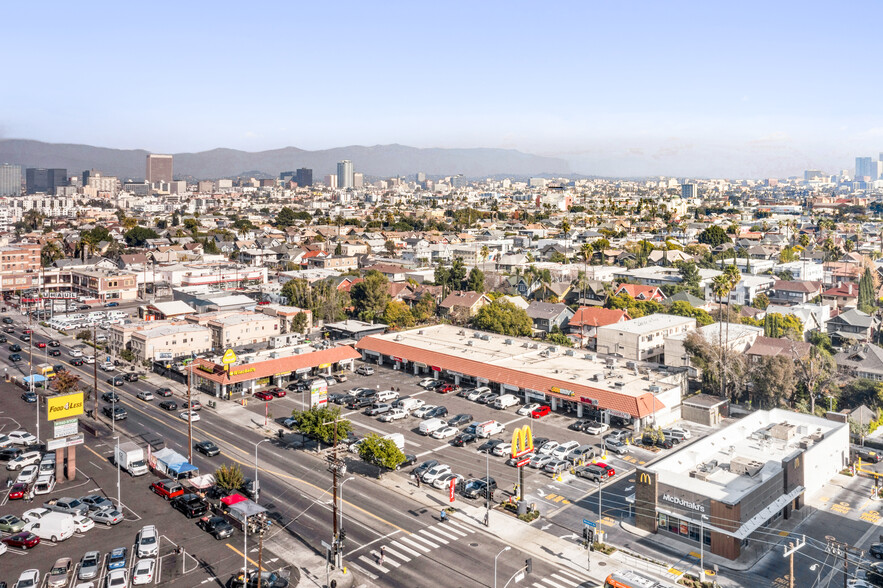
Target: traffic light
point(528, 565)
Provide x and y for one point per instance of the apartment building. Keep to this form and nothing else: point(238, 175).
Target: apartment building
point(105, 285)
point(169, 341)
point(642, 339)
point(20, 258)
point(232, 329)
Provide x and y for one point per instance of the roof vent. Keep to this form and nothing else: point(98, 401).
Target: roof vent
point(618, 384)
point(419, 332)
point(590, 356)
point(485, 337)
point(655, 389)
point(553, 349)
point(461, 332)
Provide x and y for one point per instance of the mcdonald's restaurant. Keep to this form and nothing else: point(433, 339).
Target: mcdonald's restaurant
point(730, 490)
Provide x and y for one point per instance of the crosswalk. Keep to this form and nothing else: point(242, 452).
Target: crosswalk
point(404, 549)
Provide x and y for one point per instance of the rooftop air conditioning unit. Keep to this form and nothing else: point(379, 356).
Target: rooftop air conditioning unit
point(470, 343)
point(569, 353)
point(419, 332)
point(398, 337)
point(618, 384)
point(553, 349)
point(525, 344)
point(655, 389)
point(476, 335)
point(485, 337)
point(461, 332)
point(631, 365)
point(591, 356)
point(507, 342)
point(535, 346)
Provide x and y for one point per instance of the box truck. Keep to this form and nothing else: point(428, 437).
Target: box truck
point(131, 458)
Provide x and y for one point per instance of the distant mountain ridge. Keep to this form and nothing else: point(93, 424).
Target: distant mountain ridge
point(378, 161)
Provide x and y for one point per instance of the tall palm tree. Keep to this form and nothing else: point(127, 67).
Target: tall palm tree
point(485, 252)
point(50, 252)
point(720, 287)
point(587, 251)
point(733, 278)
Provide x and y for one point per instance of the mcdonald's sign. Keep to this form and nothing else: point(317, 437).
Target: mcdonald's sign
point(644, 478)
point(522, 441)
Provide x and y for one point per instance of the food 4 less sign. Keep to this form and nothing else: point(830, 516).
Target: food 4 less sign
point(60, 407)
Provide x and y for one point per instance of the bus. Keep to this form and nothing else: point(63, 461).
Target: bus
point(630, 579)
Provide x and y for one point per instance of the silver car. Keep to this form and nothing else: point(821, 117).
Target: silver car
point(108, 516)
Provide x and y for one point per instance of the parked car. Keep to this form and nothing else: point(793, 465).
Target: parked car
point(167, 489)
point(435, 472)
point(107, 517)
point(19, 490)
point(378, 409)
point(143, 571)
point(556, 466)
point(191, 505)
point(445, 481)
point(527, 408)
point(117, 579)
point(22, 540)
point(265, 396)
point(463, 439)
point(28, 579)
point(460, 420)
point(89, 566)
point(409, 461)
point(365, 370)
point(218, 527)
point(501, 449)
point(480, 487)
point(96, 502)
point(540, 411)
point(420, 412)
point(539, 461)
point(561, 451)
point(147, 542)
point(424, 467)
point(11, 524)
point(22, 438)
point(145, 395)
point(445, 432)
point(428, 383)
point(488, 446)
point(435, 412)
point(59, 573)
point(617, 447)
point(393, 415)
point(29, 397)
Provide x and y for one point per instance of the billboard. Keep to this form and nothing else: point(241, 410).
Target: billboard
point(318, 393)
point(60, 407)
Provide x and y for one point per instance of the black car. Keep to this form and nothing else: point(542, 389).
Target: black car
point(650, 442)
point(481, 487)
point(207, 448)
point(463, 439)
point(367, 393)
point(15, 357)
point(338, 397)
point(9, 330)
point(76, 362)
point(10, 453)
point(110, 397)
point(7, 320)
point(3, 339)
point(460, 419)
point(191, 505)
point(118, 414)
point(218, 527)
point(168, 405)
point(359, 403)
point(58, 367)
point(29, 397)
point(54, 352)
point(425, 467)
point(164, 392)
point(437, 412)
point(876, 550)
point(131, 377)
point(579, 425)
point(53, 343)
point(409, 461)
point(488, 446)
point(15, 347)
point(866, 454)
point(116, 381)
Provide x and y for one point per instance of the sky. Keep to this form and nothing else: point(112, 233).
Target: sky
point(701, 89)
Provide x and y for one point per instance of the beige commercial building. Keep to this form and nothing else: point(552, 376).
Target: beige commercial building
point(169, 341)
point(642, 339)
point(232, 329)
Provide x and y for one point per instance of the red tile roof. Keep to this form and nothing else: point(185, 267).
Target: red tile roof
point(640, 406)
point(593, 316)
point(639, 292)
point(271, 367)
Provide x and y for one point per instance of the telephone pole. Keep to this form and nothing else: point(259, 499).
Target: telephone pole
point(836, 548)
point(95, 374)
point(190, 416)
point(337, 468)
point(789, 553)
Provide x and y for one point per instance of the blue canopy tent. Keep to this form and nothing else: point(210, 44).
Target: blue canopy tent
point(173, 464)
point(38, 380)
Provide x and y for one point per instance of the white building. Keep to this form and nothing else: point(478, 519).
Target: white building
point(642, 339)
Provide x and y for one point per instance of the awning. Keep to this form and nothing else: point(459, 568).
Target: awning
point(233, 499)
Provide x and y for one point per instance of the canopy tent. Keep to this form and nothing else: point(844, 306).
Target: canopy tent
point(202, 482)
point(233, 499)
point(36, 378)
point(247, 508)
point(172, 463)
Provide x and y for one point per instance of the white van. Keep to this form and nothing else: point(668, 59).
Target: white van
point(488, 428)
point(54, 526)
point(386, 395)
point(409, 404)
point(430, 426)
point(505, 401)
point(75, 352)
point(396, 438)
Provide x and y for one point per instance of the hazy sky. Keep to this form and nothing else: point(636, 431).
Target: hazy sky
point(617, 88)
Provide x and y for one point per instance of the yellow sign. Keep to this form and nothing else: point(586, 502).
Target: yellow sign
point(206, 368)
point(522, 441)
point(324, 365)
point(229, 357)
point(555, 389)
point(644, 478)
point(242, 371)
point(61, 407)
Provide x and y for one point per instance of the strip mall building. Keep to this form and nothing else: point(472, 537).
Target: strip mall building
point(572, 380)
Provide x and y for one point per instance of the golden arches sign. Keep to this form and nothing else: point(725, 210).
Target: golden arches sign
point(522, 441)
point(644, 478)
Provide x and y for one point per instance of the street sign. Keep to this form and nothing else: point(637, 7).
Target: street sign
point(325, 545)
point(519, 577)
point(589, 523)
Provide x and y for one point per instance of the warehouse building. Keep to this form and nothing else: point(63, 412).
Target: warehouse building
point(733, 486)
point(607, 388)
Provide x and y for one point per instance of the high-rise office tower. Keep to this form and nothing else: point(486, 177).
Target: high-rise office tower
point(420, 177)
point(159, 168)
point(358, 179)
point(10, 180)
point(304, 177)
point(345, 174)
point(688, 191)
point(287, 175)
point(865, 167)
point(38, 179)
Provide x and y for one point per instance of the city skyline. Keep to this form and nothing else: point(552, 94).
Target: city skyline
point(685, 89)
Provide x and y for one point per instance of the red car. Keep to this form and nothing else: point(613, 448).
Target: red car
point(277, 392)
point(41, 345)
point(264, 395)
point(540, 411)
point(167, 489)
point(609, 469)
point(28, 331)
point(448, 388)
point(23, 540)
point(18, 491)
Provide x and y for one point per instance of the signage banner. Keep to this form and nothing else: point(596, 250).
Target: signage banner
point(164, 355)
point(435, 368)
point(59, 407)
point(392, 357)
point(451, 489)
point(242, 371)
point(323, 366)
point(618, 413)
point(318, 393)
point(305, 370)
point(66, 427)
point(591, 401)
point(62, 442)
point(229, 357)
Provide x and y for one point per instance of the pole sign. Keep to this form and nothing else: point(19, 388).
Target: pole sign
point(451, 489)
point(589, 523)
point(229, 357)
point(66, 427)
point(60, 407)
point(319, 393)
point(522, 442)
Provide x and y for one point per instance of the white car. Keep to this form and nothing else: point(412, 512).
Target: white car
point(108, 366)
point(190, 415)
point(528, 408)
point(5, 441)
point(427, 382)
point(595, 428)
point(548, 447)
point(3, 548)
point(89, 359)
point(393, 415)
point(562, 450)
point(22, 438)
point(145, 395)
point(147, 542)
point(445, 432)
point(477, 392)
point(28, 579)
point(25, 459)
point(436, 472)
point(502, 449)
point(421, 412)
point(445, 481)
point(116, 579)
point(35, 514)
point(83, 524)
point(27, 475)
point(143, 571)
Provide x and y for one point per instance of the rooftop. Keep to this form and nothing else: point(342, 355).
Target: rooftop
point(651, 323)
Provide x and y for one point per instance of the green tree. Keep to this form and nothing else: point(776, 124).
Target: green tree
point(318, 423)
point(690, 277)
point(861, 391)
point(788, 254)
point(380, 452)
point(867, 296)
point(370, 296)
point(285, 218)
point(458, 272)
point(299, 322)
point(138, 236)
point(33, 218)
point(50, 252)
point(560, 338)
point(777, 325)
point(425, 308)
point(229, 477)
point(475, 281)
point(713, 236)
point(191, 224)
point(390, 247)
point(398, 315)
point(773, 381)
point(815, 371)
point(504, 318)
point(683, 308)
point(761, 301)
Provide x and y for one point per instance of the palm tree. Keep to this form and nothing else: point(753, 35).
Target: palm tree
point(733, 278)
point(720, 287)
point(485, 252)
point(50, 252)
point(587, 251)
point(33, 218)
point(565, 228)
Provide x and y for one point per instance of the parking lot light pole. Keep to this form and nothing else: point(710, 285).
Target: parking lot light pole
point(256, 485)
point(116, 458)
point(487, 490)
point(504, 550)
point(702, 547)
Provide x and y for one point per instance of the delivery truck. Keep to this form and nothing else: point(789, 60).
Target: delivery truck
point(130, 458)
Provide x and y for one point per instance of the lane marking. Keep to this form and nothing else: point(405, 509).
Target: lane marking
point(240, 554)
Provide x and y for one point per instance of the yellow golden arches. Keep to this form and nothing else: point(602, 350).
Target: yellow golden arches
point(522, 441)
point(644, 478)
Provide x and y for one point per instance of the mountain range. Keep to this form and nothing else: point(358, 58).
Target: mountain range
point(377, 161)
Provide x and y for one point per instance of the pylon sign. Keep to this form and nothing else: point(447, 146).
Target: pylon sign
point(522, 441)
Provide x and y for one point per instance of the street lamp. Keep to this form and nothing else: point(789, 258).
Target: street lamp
point(702, 547)
point(256, 485)
point(505, 549)
point(116, 458)
point(340, 523)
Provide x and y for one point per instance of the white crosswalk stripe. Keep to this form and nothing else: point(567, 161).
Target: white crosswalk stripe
point(562, 578)
point(386, 560)
point(415, 544)
point(401, 547)
point(446, 533)
point(394, 553)
point(426, 535)
point(546, 582)
point(461, 526)
point(571, 576)
point(373, 563)
point(454, 530)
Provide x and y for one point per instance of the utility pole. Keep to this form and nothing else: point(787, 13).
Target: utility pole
point(189, 416)
point(95, 375)
point(260, 554)
point(789, 553)
point(836, 548)
point(337, 468)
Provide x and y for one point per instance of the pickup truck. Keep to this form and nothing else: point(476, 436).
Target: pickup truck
point(71, 506)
